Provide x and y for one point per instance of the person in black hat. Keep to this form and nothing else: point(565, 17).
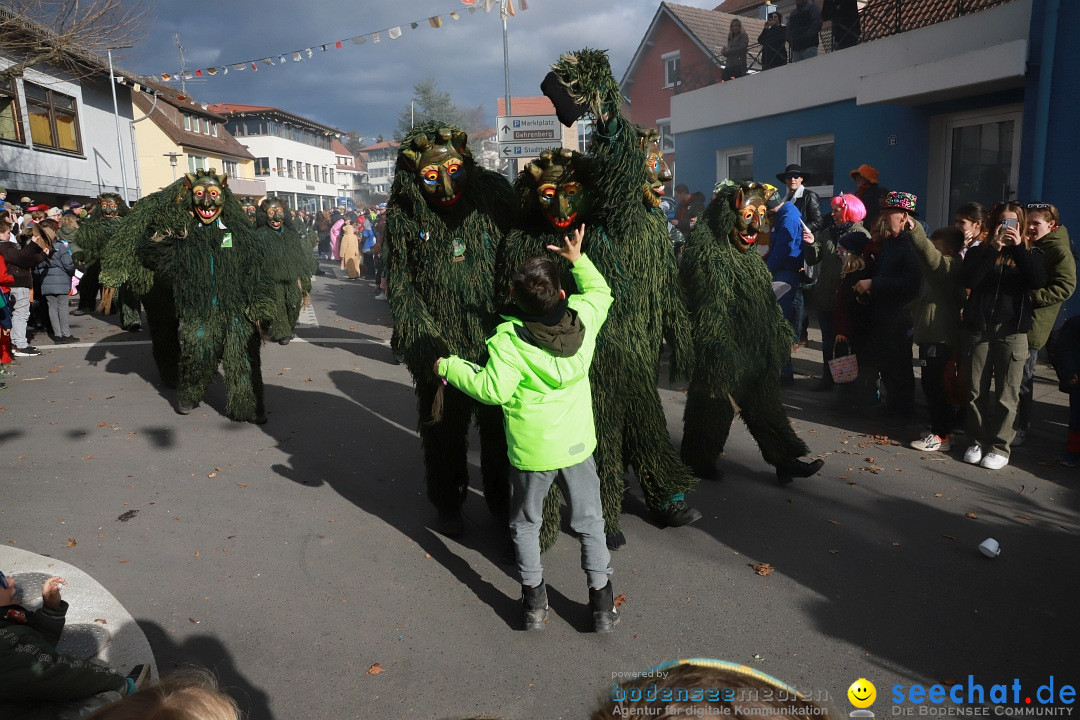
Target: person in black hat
point(802, 197)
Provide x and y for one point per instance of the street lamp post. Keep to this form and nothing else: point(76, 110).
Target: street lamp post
point(116, 116)
point(172, 161)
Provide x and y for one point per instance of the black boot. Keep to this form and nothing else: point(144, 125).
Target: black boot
point(534, 603)
point(615, 540)
point(676, 513)
point(788, 471)
point(602, 603)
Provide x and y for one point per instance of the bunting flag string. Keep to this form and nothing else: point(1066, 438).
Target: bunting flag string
point(506, 8)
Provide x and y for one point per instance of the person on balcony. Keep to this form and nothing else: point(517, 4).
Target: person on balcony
point(804, 25)
point(735, 52)
point(844, 15)
point(773, 40)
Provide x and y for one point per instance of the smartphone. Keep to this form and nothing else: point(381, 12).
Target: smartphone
point(3, 581)
point(1010, 223)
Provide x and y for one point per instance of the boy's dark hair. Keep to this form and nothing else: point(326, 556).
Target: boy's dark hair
point(536, 286)
point(952, 236)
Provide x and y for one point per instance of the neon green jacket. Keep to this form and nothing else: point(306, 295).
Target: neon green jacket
point(546, 400)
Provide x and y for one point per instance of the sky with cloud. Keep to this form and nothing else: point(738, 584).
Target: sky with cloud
point(364, 87)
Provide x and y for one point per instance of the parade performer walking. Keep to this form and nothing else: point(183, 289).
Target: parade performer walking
point(191, 252)
point(444, 222)
point(740, 335)
point(287, 263)
point(630, 246)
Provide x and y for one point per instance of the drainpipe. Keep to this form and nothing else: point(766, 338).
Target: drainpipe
point(1042, 100)
point(135, 147)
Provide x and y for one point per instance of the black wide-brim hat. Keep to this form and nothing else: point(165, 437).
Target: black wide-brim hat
point(793, 169)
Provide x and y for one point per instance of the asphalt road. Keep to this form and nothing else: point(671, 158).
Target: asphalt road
point(295, 557)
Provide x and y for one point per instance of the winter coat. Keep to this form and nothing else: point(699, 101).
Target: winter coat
point(852, 315)
point(735, 52)
point(1060, 284)
point(937, 309)
point(804, 24)
point(773, 42)
point(546, 399)
point(1001, 282)
point(33, 673)
point(21, 261)
point(809, 205)
point(895, 283)
point(785, 258)
point(822, 296)
point(57, 280)
point(350, 250)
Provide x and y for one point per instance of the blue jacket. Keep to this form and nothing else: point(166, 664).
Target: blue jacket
point(57, 280)
point(785, 258)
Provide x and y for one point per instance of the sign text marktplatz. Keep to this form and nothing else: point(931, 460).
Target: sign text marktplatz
point(526, 136)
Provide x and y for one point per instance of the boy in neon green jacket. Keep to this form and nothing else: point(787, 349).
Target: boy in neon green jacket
point(538, 371)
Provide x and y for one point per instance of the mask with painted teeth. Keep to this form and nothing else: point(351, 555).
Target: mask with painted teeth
point(561, 184)
point(109, 204)
point(657, 171)
point(207, 195)
point(248, 203)
point(440, 166)
point(750, 215)
point(275, 214)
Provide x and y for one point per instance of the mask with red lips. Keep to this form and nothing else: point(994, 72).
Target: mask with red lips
point(750, 217)
point(275, 214)
point(439, 161)
point(207, 195)
point(109, 204)
point(250, 207)
point(561, 186)
point(657, 171)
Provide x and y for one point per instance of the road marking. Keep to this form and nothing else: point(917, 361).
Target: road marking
point(387, 420)
point(310, 341)
point(307, 315)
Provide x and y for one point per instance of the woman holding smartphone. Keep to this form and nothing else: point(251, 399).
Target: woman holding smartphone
point(1000, 274)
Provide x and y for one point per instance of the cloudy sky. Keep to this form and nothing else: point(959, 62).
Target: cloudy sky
point(365, 87)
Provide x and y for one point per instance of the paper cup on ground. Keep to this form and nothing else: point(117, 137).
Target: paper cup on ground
point(990, 548)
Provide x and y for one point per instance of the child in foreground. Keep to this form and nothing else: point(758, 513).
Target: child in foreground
point(538, 370)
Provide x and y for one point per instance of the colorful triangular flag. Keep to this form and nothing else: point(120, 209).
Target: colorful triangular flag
point(375, 37)
point(414, 25)
point(212, 71)
point(394, 33)
point(296, 56)
point(225, 70)
point(338, 44)
point(435, 22)
point(455, 16)
point(239, 66)
point(282, 59)
point(359, 40)
point(166, 77)
point(198, 73)
point(507, 9)
point(254, 66)
point(267, 61)
point(468, 2)
point(524, 5)
point(309, 52)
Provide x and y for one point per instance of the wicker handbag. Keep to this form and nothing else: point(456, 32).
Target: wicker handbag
point(844, 368)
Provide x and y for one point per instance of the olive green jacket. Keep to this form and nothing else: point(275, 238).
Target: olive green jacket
point(936, 311)
point(1061, 275)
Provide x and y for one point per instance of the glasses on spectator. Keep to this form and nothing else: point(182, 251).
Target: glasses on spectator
point(1037, 206)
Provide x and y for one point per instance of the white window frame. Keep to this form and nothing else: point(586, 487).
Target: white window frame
point(187, 121)
point(938, 210)
point(724, 155)
point(667, 140)
point(666, 58)
point(794, 145)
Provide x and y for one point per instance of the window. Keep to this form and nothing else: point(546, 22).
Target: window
point(584, 133)
point(667, 140)
point(331, 175)
point(983, 152)
point(54, 120)
point(815, 155)
point(262, 167)
point(197, 162)
point(10, 118)
point(280, 167)
point(735, 164)
point(205, 126)
point(187, 121)
point(307, 171)
point(671, 68)
point(213, 129)
point(290, 168)
point(229, 166)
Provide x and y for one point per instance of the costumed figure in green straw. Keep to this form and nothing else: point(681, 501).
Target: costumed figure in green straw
point(95, 234)
point(628, 242)
point(444, 222)
point(740, 335)
point(191, 252)
point(251, 207)
point(287, 263)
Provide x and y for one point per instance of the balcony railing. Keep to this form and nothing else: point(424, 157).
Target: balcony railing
point(878, 19)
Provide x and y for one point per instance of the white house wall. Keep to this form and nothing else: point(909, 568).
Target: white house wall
point(97, 170)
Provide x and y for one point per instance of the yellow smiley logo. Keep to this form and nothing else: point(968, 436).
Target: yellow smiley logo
point(862, 693)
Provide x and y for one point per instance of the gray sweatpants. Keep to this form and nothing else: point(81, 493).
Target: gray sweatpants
point(581, 488)
point(58, 315)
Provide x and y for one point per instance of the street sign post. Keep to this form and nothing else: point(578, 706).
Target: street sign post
point(526, 150)
point(516, 129)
